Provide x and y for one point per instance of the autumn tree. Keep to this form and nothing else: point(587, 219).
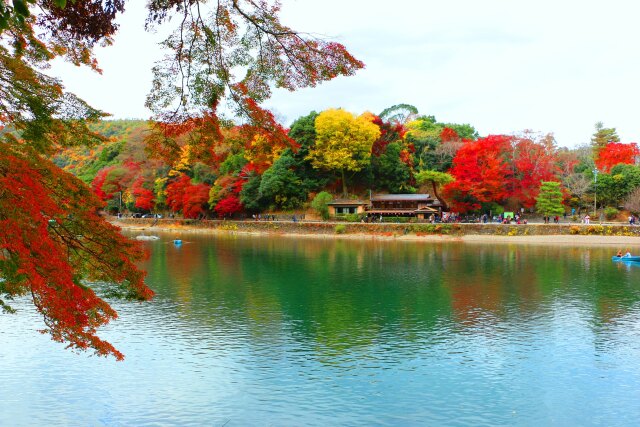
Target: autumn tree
point(615, 153)
point(53, 243)
point(143, 195)
point(195, 200)
point(343, 142)
point(234, 52)
point(228, 206)
point(533, 160)
point(482, 173)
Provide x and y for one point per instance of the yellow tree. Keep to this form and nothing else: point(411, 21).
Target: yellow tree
point(343, 142)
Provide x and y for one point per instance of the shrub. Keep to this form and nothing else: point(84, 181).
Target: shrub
point(595, 229)
point(574, 229)
point(320, 203)
point(610, 213)
point(341, 229)
point(352, 217)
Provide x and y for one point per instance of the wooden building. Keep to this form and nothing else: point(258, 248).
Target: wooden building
point(418, 205)
point(347, 206)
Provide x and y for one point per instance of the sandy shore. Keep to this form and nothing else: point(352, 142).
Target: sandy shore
point(567, 240)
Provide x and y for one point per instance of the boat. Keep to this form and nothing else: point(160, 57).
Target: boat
point(145, 237)
point(177, 242)
point(632, 258)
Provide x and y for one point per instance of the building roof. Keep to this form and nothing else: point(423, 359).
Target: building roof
point(348, 202)
point(426, 209)
point(400, 197)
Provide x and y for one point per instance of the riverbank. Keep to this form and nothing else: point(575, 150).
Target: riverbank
point(547, 234)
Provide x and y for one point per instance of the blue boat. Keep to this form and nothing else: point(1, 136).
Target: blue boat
point(626, 258)
point(177, 242)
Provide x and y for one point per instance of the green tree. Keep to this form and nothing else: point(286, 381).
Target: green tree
point(549, 200)
point(425, 134)
point(233, 164)
point(602, 137)
point(250, 195)
point(613, 188)
point(343, 142)
point(281, 186)
point(303, 131)
point(390, 172)
point(401, 113)
point(320, 204)
point(436, 179)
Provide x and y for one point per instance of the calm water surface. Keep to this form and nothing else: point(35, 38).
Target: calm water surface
point(275, 331)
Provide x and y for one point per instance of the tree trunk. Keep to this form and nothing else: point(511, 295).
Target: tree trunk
point(344, 185)
point(445, 207)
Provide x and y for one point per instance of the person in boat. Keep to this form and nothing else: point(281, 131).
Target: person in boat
point(628, 254)
point(619, 254)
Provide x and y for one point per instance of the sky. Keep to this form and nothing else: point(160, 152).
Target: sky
point(503, 66)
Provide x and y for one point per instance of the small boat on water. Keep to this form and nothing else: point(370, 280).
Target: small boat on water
point(145, 237)
point(177, 242)
point(632, 258)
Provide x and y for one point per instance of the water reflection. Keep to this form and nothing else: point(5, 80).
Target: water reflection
point(282, 331)
point(352, 296)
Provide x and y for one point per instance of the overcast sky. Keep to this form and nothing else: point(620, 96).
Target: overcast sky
point(502, 66)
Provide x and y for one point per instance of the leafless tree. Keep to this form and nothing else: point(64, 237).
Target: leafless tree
point(633, 201)
point(577, 184)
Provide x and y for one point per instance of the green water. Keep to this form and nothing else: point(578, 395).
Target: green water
point(278, 331)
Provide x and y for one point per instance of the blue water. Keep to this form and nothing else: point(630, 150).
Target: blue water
point(274, 331)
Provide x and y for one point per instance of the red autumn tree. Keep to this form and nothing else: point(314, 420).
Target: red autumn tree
point(176, 191)
point(532, 162)
point(482, 173)
point(144, 197)
point(52, 242)
point(449, 134)
point(184, 196)
point(196, 198)
point(228, 206)
point(98, 182)
point(615, 153)
point(389, 132)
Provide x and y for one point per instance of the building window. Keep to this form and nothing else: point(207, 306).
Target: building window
point(345, 210)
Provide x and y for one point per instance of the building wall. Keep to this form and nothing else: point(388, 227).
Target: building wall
point(344, 210)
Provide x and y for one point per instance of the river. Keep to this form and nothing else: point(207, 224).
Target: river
point(285, 331)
